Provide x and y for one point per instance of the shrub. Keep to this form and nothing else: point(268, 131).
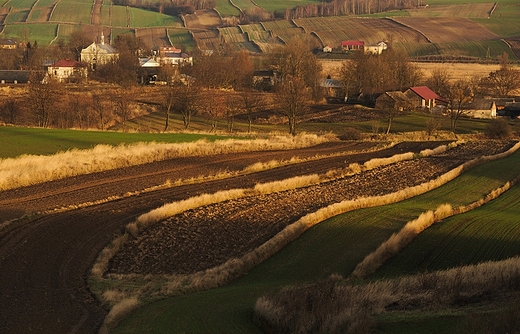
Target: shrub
point(498, 129)
point(351, 134)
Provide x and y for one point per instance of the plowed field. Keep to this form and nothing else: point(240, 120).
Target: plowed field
point(45, 259)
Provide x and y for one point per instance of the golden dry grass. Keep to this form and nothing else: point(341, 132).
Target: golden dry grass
point(32, 169)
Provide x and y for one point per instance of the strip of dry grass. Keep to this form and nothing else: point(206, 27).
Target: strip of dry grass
point(30, 169)
point(339, 307)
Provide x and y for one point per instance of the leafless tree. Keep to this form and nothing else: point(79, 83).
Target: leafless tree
point(252, 101)
point(9, 110)
point(44, 94)
point(503, 81)
point(292, 98)
point(459, 96)
point(185, 99)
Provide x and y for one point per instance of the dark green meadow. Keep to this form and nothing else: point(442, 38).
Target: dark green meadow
point(337, 245)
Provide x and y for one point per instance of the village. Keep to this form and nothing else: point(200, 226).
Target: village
point(169, 65)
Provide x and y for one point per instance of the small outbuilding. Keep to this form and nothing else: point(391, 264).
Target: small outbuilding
point(67, 70)
point(422, 97)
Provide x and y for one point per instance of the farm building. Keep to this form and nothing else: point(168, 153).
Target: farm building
point(376, 49)
point(8, 43)
point(67, 70)
point(422, 97)
point(482, 108)
point(99, 53)
point(170, 55)
point(327, 49)
point(352, 45)
point(396, 100)
point(14, 76)
point(265, 79)
point(333, 87)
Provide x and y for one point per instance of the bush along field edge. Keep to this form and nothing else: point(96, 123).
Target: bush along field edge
point(123, 302)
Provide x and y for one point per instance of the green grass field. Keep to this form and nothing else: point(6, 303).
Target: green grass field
point(72, 11)
point(335, 246)
point(145, 18)
point(43, 33)
point(18, 141)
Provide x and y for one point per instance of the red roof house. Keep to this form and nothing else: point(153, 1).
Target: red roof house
point(422, 97)
point(352, 45)
point(67, 70)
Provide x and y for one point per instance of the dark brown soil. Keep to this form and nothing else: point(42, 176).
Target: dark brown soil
point(45, 259)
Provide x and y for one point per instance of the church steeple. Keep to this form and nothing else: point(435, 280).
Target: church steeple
point(102, 38)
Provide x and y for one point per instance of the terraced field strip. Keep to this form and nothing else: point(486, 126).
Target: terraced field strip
point(118, 16)
point(22, 4)
point(39, 32)
point(243, 4)
point(468, 10)
point(17, 16)
point(181, 38)
point(443, 30)
point(334, 246)
point(281, 5)
point(482, 49)
point(226, 9)
point(283, 29)
point(145, 18)
point(488, 233)
point(72, 11)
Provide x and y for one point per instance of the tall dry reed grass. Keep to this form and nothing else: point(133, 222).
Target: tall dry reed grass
point(31, 169)
point(317, 307)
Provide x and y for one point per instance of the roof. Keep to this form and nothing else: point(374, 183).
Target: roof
point(67, 63)
point(481, 104)
point(425, 92)
point(398, 96)
point(347, 43)
point(331, 83)
point(7, 41)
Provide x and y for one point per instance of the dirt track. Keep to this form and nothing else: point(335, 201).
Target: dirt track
point(44, 262)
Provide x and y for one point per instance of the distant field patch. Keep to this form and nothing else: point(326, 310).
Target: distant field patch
point(21, 4)
point(226, 9)
point(333, 30)
point(182, 38)
point(39, 14)
point(41, 33)
point(72, 11)
point(118, 16)
point(17, 16)
point(470, 10)
point(145, 18)
point(445, 30)
point(272, 6)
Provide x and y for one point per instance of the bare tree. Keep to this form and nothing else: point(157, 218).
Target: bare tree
point(439, 81)
point(186, 98)
point(251, 102)
point(44, 94)
point(503, 81)
point(292, 97)
point(9, 110)
point(459, 96)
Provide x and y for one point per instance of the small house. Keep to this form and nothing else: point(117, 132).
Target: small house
point(265, 79)
point(67, 70)
point(482, 108)
point(333, 87)
point(395, 100)
point(422, 97)
point(375, 49)
point(8, 44)
point(327, 49)
point(170, 55)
